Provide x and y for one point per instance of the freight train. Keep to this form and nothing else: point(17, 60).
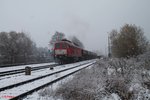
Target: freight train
point(66, 51)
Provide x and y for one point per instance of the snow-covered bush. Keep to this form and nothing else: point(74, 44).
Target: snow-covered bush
point(140, 93)
point(119, 80)
point(144, 61)
point(86, 85)
point(119, 86)
point(123, 67)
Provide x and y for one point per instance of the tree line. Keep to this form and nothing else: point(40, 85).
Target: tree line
point(18, 48)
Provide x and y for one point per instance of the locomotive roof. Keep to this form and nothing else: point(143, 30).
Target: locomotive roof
point(66, 40)
point(73, 44)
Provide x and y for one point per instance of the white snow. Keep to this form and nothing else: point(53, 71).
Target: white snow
point(26, 87)
point(37, 95)
point(23, 66)
point(111, 71)
point(20, 78)
point(113, 96)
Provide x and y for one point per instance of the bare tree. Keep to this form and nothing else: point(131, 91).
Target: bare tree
point(4, 46)
point(25, 46)
point(56, 37)
point(15, 46)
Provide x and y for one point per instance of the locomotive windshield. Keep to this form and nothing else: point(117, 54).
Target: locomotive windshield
point(63, 45)
point(60, 45)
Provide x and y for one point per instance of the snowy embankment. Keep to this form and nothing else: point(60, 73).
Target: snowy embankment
point(109, 79)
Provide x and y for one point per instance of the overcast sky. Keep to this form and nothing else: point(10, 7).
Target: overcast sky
point(89, 20)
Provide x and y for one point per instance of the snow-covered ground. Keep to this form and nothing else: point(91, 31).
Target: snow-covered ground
point(14, 79)
point(23, 66)
point(101, 81)
point(32, 65)
point(41, 94)
point(108, 79)
point(26, 87)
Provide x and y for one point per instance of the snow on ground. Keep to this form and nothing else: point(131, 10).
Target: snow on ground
point(29, 86)
point(133, 82)
point(20, 78)
point(23, 66)
point(40, 95)
point(135, 85)
point(122, 75)
point(35, 71)
point(113, 96)
point(20, 74)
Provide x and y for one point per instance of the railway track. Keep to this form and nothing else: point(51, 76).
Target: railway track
point(11, 72)
point(19, 90)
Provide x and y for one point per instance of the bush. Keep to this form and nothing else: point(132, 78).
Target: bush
point(86, 85)
point(119, 86)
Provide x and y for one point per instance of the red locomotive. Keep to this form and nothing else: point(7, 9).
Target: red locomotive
point(66, 52)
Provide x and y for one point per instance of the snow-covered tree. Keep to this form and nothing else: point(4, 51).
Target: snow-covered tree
point(129, 41)
point(15, 46)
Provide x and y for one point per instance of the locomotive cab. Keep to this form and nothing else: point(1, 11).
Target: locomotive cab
point(66, 51)
point(60, 52)
point(60, 49)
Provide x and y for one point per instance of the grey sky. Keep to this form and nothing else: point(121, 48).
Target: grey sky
point(89, 20)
